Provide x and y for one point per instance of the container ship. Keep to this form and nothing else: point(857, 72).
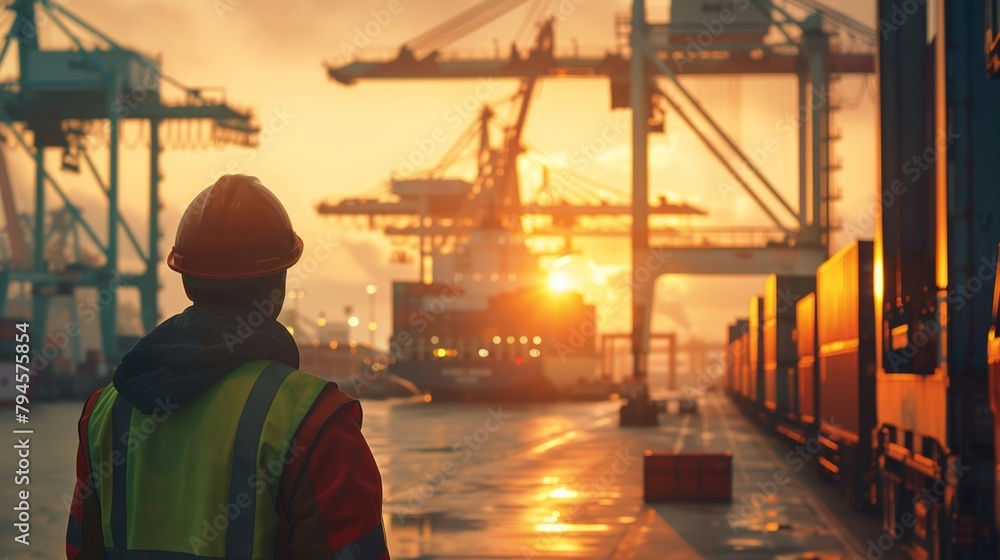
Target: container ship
point(493, 326)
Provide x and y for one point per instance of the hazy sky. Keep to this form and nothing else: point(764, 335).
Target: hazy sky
point(333, 141)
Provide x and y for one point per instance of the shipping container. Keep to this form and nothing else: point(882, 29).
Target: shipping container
point(734, 354)
point(744, 364)
point(936, 256)
point(780, 352)
point(756, 354)
point(845, 335)
point(993, 358)
point(807, 378)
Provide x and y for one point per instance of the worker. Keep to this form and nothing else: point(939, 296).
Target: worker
point(209, 442)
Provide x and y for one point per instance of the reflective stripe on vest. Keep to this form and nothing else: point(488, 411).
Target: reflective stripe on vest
point(199, 482)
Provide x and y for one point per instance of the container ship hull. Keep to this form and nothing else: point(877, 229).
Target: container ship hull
point(536, 379)
point(523, 343)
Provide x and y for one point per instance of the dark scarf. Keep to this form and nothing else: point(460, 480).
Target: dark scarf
point(189, 353)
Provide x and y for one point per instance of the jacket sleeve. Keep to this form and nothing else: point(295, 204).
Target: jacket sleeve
point(84, 535)
point(330, 495)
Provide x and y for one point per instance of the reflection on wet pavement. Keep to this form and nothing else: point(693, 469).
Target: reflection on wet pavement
point(475, 481)
point(564, 481)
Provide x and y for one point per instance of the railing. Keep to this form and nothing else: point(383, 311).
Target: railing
point(749, 237)
point(497, 52)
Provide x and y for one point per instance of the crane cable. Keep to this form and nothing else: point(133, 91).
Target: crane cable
point(461, 25)
point(533, 11)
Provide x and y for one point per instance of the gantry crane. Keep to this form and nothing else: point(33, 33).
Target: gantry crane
point(798, 242)
point(816, 46)
point(68, 100)
point(440, 212)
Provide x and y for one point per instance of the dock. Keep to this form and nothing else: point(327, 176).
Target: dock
point(553, 480)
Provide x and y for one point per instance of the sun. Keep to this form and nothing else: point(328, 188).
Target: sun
point(559, 283)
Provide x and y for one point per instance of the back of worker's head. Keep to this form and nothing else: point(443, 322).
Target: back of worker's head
point(265, 294)
point(233, 246)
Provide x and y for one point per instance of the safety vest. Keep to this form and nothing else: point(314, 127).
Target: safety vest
point(200, 481)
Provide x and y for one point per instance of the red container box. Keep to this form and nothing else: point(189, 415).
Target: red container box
point(688, 477)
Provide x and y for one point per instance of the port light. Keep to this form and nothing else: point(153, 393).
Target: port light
point(497, 340)
point(440, 352)
point(534, 352)
point(524, 339)
point(483, 352)
point(537, 340)
point(518, 360)
point(510, 340)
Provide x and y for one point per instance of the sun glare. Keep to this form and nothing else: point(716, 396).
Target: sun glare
point(559, 283)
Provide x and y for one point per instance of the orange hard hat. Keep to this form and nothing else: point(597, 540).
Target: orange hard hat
point(234, 229)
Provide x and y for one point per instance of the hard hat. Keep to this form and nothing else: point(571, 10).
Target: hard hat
point(234, 229)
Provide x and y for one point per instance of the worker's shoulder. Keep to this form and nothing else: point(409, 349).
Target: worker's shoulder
point(330, 398)
point(332, 415)
point(89, 404)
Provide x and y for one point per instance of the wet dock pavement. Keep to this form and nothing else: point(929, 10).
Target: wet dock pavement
point(478, 481)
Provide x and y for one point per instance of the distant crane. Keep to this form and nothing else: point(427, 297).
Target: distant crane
point(68, 99)
point(809, 46)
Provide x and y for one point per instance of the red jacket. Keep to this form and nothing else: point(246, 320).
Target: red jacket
point(330, 498)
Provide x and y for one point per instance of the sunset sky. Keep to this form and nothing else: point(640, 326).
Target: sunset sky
point(330, 141)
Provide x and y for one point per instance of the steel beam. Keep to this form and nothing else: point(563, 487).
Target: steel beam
point(108, 305)
point(39, 302)
point(612, 65)
point(150, 283)
point(639, 92)
point(797, 261)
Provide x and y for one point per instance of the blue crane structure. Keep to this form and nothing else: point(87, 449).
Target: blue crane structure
point(60, 100)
